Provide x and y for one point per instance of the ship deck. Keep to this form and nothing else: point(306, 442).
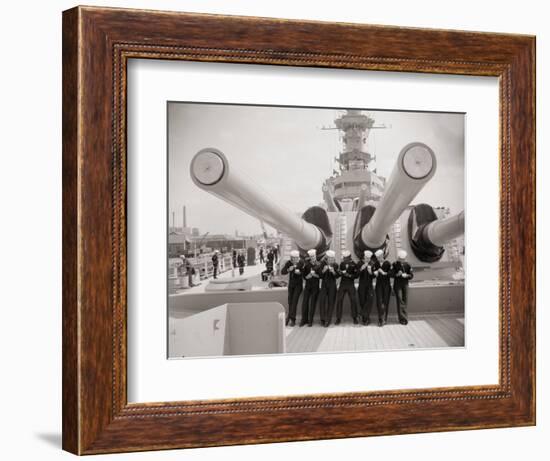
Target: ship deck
point(437, 328)
point(423, 331)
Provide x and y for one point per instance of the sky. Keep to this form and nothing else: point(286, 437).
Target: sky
point(285, 151)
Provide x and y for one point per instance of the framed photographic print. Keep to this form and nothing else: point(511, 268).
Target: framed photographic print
point(282, 230)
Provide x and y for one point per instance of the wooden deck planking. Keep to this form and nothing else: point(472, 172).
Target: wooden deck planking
point(340, 338)
point(396, 339)
point(423, 331)
point(408, 337)
point(427, 336)
point(417, 334)
point(458, 327)
point(430, 337)
point(447, 331)
point(376, 340)
point(453, 328)
point(370, 343)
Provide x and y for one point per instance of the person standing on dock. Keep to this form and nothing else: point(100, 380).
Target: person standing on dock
point(329, 274)
point(348, 271)
point(383, 287)
point(189, 271)
point(366, 290)
point(268, 270)
point(240, 262)
point(402, 273)
point(294, 268)
point(312, 275)
point(215, 263)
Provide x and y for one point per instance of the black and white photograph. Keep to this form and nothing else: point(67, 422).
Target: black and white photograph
point(313, 230)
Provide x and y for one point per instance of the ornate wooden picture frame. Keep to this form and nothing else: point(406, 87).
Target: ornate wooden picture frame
point(97, 44)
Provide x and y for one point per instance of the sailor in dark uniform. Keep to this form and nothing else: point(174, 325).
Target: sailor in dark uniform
point(294, 268)
point(366, 290)
point(268, 270)
point(329, 274)
point(402, 273)
point(215, 263)
point(240, 262)
point(383, 287)
point(348, 271)
point(312, 274)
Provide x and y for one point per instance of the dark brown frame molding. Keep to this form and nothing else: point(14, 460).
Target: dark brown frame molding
point(97, 43)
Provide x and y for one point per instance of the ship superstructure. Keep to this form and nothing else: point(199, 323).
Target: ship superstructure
point(355, 176)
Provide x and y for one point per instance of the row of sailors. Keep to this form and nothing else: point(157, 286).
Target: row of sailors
point(371, 268)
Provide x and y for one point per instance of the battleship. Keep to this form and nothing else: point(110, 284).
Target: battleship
point(358, 210)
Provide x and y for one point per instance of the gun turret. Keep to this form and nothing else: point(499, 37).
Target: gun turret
point(428, 235)
point(211, 172)
point(415, 166)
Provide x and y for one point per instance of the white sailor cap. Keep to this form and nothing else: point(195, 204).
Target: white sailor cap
point(367, 253)
point(330, 254)
point(346, 253)
point(294, 254)
point(312, 252)
point(401, 254)
point(379, 253)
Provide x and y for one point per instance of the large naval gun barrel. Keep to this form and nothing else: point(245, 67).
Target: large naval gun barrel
point(211, 171)
point(415, 166)
point(441, 231)
point(428, 235)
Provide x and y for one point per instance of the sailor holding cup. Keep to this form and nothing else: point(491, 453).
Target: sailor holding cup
point(312, 275)
point(329, 274)
point(348, 271)
point(294, 268)
point(382, 270)
point(402, 273)
point(366, 290)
